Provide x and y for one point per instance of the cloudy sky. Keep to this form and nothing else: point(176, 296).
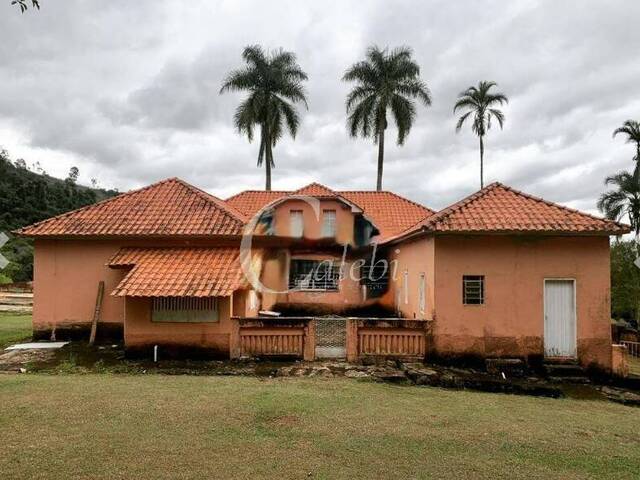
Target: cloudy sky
point(128, 92)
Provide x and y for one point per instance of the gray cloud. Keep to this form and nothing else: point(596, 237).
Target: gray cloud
point(128, 91)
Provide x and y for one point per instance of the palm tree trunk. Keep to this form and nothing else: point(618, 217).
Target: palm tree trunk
point(268, 162)
point(380, 158)
point(481, 163)
point(267, 156)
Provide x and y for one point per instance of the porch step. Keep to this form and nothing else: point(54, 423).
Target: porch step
point(511, 367)
point(565, 372)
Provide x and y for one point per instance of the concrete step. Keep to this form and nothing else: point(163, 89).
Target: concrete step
point(564, 369)
point(565, 372)
point(511, 367)
point(577, 380)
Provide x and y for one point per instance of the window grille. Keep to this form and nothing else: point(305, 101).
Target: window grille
point(184, 309)
point(296, 226)
point(375, 277)
point(329, 223)
point(473, 289)
point(314, 275)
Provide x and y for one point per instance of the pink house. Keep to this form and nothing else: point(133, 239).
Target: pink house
point(351, 273)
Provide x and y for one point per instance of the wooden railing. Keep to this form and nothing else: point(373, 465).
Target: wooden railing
point(633, 348)
point(272, 342)
point(391, 342)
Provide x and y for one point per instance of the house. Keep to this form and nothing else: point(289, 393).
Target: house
point(353, 274)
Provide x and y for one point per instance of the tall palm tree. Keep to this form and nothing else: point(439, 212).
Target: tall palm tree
point(623, 201)
point(384, 80)
point(274, 82)
point(631, 129)
point(481, 103)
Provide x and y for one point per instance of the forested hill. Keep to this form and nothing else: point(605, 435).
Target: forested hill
point(28, 195)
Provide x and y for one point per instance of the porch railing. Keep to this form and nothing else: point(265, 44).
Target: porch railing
point(633, 348)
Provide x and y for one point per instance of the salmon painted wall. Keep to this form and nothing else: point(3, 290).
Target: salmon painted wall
point(141, 333)
point(66, 276)
point(511, 322)
point(416, 257)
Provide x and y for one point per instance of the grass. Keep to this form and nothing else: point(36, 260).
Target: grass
point(14, 328)
point(163, 427)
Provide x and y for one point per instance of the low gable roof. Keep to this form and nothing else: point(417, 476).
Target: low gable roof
point(498, 208)
point(169, 207)
point(389, 212)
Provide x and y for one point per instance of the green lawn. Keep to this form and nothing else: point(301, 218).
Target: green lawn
point(104, 426)
point(14, 328)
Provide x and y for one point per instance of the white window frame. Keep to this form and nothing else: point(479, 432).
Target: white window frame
point(329, 220)
point(422, 293)
point(296, 223)
point(483, 292)
point(405, 285)
point(253, 300)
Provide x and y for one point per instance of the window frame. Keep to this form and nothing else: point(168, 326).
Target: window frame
point(405, 285)
point(297, 284)
point(422, 293)
point(194, 310)
point(466, 279)
point(299, 216)
point(333, 224)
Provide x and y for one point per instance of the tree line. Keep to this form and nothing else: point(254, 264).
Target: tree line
point(28, 195)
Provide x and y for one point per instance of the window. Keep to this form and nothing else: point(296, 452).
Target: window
point(184, 309)
point(473, 289)
point(328, 223)
point(422, 293)
point(253, 300)
point(314, 275)
point(296, 226)
point(405, 286)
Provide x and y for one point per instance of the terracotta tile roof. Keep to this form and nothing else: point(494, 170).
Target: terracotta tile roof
point(391, 213)
point(250, 201)
point(498, 208)
point(178, 272)
point(315, 189)
point(169, 207)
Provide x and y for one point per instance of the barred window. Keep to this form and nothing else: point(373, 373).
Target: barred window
point(473, 289)
point(328, 223)
point(314, 275)
point(184, 309)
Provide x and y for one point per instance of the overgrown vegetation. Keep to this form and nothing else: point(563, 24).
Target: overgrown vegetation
point(625, 282)
point(28, 195)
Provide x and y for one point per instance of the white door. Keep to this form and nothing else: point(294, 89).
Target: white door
point(559, 318)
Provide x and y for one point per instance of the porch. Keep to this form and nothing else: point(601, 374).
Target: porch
point(330, 337)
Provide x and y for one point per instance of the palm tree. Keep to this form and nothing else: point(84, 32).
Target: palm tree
point(481, 103)
point(384, 80)
point(274, 82)
point(631, 129)
point(623, 201)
